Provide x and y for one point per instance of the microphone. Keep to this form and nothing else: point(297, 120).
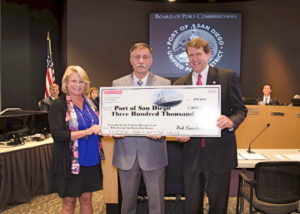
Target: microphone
point(249, 148)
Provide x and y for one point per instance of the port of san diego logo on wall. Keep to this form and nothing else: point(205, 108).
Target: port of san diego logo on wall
point(179, 37)
point(169, 33)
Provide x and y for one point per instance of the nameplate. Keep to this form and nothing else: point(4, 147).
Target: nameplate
point(253, 111)
point(281, 114)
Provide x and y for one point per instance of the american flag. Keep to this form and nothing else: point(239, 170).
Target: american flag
point(50, 77)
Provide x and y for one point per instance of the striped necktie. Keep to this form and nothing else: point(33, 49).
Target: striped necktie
point(139, 82)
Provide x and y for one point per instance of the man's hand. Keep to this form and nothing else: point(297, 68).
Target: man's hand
point(183, 139)
point(154, 137)
point(224, 122)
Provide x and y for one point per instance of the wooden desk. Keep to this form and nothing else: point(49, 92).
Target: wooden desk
point(110, 173)
point(110, 179)
point(283, 133)
point(6, 149)
point(24, 171)
point(271, 154)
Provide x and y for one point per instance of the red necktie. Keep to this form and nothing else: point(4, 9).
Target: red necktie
point(199, 82)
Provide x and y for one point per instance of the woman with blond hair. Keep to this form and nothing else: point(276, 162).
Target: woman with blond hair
point(74, 125)
point(94, 96)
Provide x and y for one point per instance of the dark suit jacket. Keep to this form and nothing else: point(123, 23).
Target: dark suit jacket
point(44, 104)
point(220, 154)
point(273, 101)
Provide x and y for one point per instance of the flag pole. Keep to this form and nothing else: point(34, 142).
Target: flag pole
point(49, 40)
point(50, 75)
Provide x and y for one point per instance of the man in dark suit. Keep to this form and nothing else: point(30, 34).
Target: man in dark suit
point(44, 104)
point(141, 156)
point(207, 162)
point(267, 99)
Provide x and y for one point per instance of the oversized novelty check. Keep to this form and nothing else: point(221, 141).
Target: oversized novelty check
point(160, 110)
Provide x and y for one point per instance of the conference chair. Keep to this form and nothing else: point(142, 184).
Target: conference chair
point(275, 188)
point(40, 105)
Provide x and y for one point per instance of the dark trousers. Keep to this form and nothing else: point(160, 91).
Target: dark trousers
point(217, 187)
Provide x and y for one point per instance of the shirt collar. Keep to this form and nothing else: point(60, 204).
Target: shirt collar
point(144, 80)
point(203, 73)
point(53, 98)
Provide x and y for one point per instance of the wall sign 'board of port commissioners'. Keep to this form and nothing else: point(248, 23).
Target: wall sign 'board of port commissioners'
point(161, 110)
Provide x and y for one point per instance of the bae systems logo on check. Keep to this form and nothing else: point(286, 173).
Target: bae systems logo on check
point(180, 36)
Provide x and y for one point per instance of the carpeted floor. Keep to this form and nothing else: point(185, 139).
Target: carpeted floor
point(51, 204)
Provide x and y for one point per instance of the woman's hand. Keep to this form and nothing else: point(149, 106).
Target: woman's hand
point(118, 136)
point(95, 129)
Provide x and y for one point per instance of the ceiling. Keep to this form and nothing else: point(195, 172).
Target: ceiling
point(196, 1)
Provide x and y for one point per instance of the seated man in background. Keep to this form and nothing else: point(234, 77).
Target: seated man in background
point(295, 101)
point(267, 98)
point(45, 103)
